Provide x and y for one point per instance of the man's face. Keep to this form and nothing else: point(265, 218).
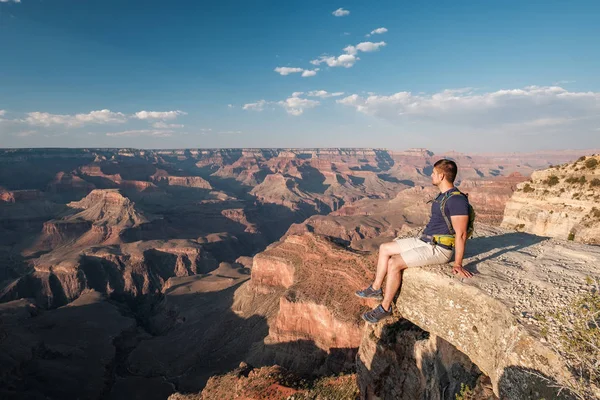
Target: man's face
point(436, 177)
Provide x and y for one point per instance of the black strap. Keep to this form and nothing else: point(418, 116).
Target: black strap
point(443, 208)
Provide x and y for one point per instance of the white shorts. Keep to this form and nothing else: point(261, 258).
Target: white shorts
point(417, 253)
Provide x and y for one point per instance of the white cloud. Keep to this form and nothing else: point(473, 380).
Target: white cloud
point(350, 58)
point(557, 83)
point(366, 47)
point(10, 1)
point(532, 107)
point(344, 60)
point(377, 31)
point(2, 112)
point(295, 105)
point(229, 132)
point(164, 125)
point(340, 12)
point(309, 72)
point(288, 70)
point(94, 117)
point(323, 94)
point(158, 114)
point(143, 132)
point(258, 106)
point(230, 106)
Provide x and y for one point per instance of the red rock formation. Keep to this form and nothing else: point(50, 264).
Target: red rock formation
point(162, 177)
point(317, 327)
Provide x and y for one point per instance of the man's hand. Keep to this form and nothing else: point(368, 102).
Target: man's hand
point(460, 271)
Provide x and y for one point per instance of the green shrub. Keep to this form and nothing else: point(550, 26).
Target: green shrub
point(591, 163)
point(466, 393)
point(581, 180)
point(582, 158)
point(552, 180)
point(595, 182)
point(571, 236)
point(528, 189)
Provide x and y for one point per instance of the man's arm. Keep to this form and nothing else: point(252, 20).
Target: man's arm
point(460, 223)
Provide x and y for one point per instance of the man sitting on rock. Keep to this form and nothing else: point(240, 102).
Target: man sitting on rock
point(429, 248)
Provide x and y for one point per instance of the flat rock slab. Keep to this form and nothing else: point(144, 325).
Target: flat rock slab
point(494, 317)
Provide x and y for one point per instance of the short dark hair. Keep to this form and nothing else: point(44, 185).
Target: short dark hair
point(448, 168)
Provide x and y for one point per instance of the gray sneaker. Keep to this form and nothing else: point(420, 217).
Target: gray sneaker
point(370, 293)
point(377, 314)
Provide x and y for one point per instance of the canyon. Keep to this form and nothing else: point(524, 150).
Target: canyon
point(177, 265)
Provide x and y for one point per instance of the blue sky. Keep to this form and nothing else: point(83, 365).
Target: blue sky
point(464, 75)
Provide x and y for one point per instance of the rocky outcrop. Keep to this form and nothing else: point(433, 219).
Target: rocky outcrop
point(399, 360)
point(100, 217)
point(316, 326)
point(561, 201)
point(495, 318)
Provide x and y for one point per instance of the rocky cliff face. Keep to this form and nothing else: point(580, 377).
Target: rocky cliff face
point(316, 327)
point(399, 360)
point(563, 202)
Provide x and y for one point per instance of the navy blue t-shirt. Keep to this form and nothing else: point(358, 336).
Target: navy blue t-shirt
point(455, 205)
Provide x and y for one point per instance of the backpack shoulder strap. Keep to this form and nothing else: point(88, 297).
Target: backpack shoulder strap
point(443, 208)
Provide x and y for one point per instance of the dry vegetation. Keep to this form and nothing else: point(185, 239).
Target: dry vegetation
point(579, 341)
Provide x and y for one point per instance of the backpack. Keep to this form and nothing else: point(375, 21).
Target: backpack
point(448, 240)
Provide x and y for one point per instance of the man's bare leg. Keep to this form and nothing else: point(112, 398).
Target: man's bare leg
point(386, 251)
point(394, 278)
